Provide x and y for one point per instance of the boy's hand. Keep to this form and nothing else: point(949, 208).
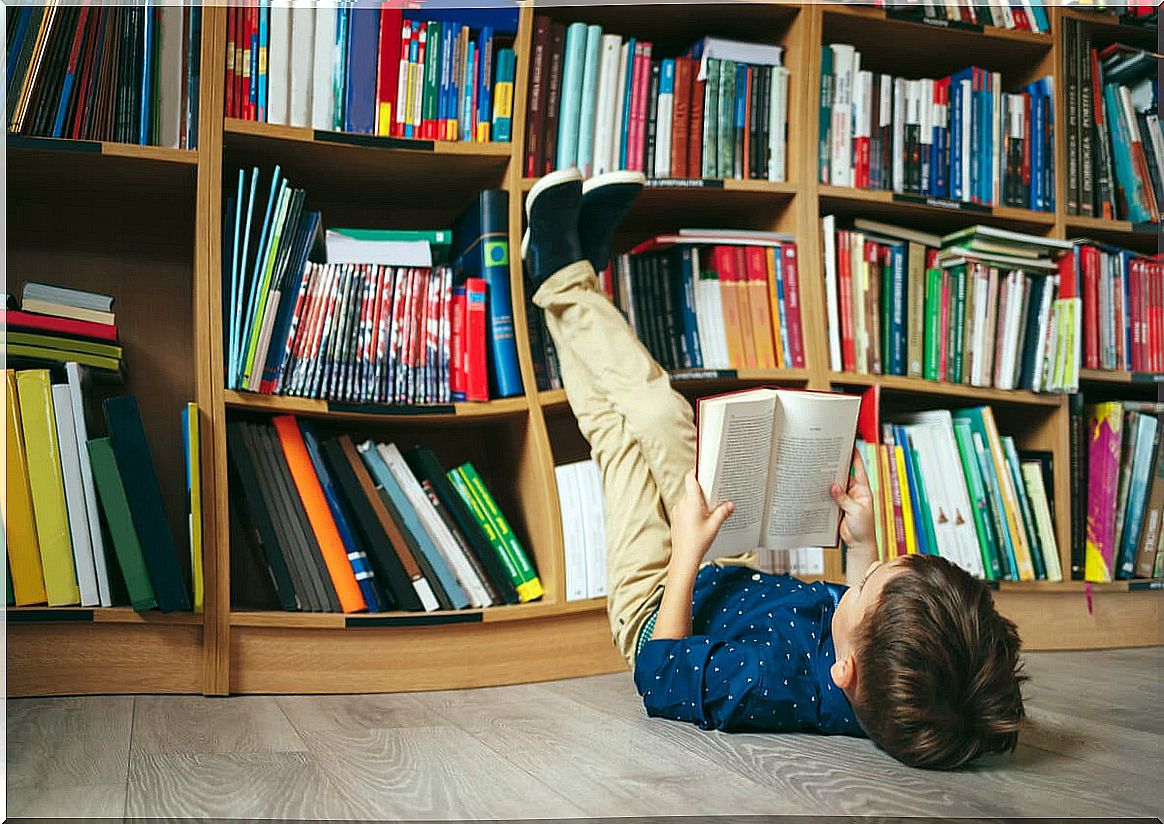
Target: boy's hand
point(694, 526)
point(857, 527)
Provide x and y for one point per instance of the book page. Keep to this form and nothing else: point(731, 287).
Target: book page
point(735, 441)
point(812, 450)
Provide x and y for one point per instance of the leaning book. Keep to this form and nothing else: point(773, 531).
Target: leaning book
point(775, 454)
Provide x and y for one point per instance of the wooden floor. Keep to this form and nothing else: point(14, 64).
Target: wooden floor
point(566, 749)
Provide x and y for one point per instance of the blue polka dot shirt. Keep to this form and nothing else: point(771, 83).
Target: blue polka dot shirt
point(758, 658)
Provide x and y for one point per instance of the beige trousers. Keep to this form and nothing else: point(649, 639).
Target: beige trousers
point(641, 434)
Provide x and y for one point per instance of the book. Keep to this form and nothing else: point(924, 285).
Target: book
point(775, 455)
point(78, 383)
point(20, 534)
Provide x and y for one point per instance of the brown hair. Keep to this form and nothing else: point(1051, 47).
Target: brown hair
point(938, 669)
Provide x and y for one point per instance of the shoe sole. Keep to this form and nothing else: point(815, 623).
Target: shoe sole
point(552, 179)
point(613, 179)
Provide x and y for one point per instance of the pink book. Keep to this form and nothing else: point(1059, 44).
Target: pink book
point(634, 154)
point(1104, 434)
point(642, 89)
point(944, 328)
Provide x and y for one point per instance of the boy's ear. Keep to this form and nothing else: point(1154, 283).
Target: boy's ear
point(844, 672)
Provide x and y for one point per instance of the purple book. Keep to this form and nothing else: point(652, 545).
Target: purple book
point(1104, 435)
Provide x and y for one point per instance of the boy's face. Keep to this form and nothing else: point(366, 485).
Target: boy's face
point(856, 602)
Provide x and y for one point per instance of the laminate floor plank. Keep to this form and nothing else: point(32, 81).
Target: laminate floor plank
point(76, 802)
point(190, 724)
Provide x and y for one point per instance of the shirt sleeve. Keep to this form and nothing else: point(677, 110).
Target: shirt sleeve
point(715, 684)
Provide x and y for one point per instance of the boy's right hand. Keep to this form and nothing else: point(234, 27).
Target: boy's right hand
point(857, 525)
point(694, 526)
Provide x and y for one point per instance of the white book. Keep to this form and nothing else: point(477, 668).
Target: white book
point(594, 512)
point(841, 154)
point(279, 62)
point(863, 104)
point(301, 64)
point(755, 54)
point(829, 234)
point(778, 126)
point(775, 454)
point(322, 62)
point(1043, 331)
point(343, 248)
point(1015, 298)
point(78, 381)
point(169, 78)
point(588, 97)
point(445, 543)
point(719, 330)
point(663, 120)
point(573, 539)
point(702, 315)
point(900, 96)
point(999, 157)
point(609, 51)
point(75, 496)
point(966, 98)
point(859, 269)
point(1008, 15)
point(980, 295)
point(616, 135)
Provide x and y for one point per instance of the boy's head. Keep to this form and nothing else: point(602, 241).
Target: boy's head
point(930, 667)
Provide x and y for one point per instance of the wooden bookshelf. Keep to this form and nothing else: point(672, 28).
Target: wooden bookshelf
point(144, 223)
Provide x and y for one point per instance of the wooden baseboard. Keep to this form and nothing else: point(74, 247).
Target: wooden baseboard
point(1063, 621)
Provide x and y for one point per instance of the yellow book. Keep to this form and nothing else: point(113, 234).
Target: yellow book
point(34, 390)
point(192, 437)
point(887, 503)
point(19, 521)
point(906, 503)
point(1014, 523)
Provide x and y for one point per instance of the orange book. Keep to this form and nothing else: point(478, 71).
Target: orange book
point(734, 266)
point(723, 261)
point(331, 546)
point(757, 268)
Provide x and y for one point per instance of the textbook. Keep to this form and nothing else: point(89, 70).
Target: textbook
point(775, 453)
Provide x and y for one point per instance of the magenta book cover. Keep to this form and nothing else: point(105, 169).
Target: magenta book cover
point(1104, 433)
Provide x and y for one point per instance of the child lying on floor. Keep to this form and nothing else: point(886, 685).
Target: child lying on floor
point(911, 653)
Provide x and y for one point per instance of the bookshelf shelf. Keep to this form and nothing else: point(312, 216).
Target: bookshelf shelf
point(1137, 585)
point(396, 620)
point(1120, 377)
point(104, 148)
point(965, 392)
point(311, 407)
point(1141, 237)
point(305, 134)
point(939, 29)
point(99, 615)
point(1116, 28)
point(930, 213)
point(45, 166)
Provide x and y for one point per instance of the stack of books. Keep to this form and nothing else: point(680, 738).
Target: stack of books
point(959, 138)
point(947, 483)
point(1115, 148)
point(599, 102)
point(74, 499)
point(1123, 308)
point(981, 306)
point(583, 510)
point(432, 74)
point(384, 320)
point(1021, 15)
point(346, 527)
point(122, 73)
point(1118, 487)
point(57, 324)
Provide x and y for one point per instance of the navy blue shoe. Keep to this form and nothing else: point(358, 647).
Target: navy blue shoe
point(606, 199)
point(551, 241)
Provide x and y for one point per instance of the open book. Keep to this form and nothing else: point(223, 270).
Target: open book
point(774, 453)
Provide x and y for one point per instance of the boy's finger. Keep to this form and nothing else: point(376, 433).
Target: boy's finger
point(694, 491)
point(859, 469)
point(720, 514)
point(847, 504)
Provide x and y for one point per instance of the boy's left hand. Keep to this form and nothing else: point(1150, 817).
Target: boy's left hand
point(857, 526)
point(694, 526)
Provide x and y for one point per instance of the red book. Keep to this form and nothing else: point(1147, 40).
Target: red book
point(419, 324)
point(400, 93)
point(1157, 316)
point(553, 95)
point(845, 293)
point(681, 117)
point(231, 23)
point(60, 326)
point(695, 128)
point(476, 363)
point(1089, 257)
point(792, 304)
point(1136, 284)
point(388, 68)
point(535, 112)
point(457, 346)
point(426, 128)
point(1068, 277)
point(637, 156)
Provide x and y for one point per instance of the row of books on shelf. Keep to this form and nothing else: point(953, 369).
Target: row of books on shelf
point(75, 502)
point(1115, 147)
point(1117, 490)
point(391, 317)
point(1019, 15)
point(960, 137)
point(599, 102)
point(1123, 308)
point(375, 68)
point(346, 527)
point(50, 325)
point(948, 483)
point(583, 510)
point(89, 72)
point(1135, 12)
point(981, 306)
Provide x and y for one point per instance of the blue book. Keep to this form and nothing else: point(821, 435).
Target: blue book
point(481, 249)
point(739, 162)
point(1035, 200)
point(628, 93)
point(264, 46)
point(236, 325)
point(1041, 17)
point(921, 515)
point(21, 27)
point(1129, 182)
point(466, 101)
point(436, 562)
point(986, 174)
point(193, 75)
point(256, 277)
point(484, 83)
point(1147, 438)
point(361, 566)
point(502, 19)
point(683, 298)
point(506, 71)
point(570, 107)
point(362, 56)
point(587, 111)
point(957, 149)
point(147, 74)
point(253, 83)
point(1047, 84)
point(233, 267)
point(687, 268)
point(340, 67)
point(896, 354)
point(447, 102)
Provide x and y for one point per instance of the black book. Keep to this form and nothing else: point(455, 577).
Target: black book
point(136, 465)
point(257, 513)
point(52, 73)
point(665, 282)
point(427, 467)
point(1079, 445)
point(755, 87)
point(421, 559)
point(1082, 57)
point(1071, 42)
point(765, 132)
point(652, 116)
point(1030, 335)
point(1150, 155)
point(387, 565)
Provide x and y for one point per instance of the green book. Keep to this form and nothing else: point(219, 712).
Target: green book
point(922, 509)
point(825, 115)
point(957, 323)
point(491, 535)
point(1026, 511)
point(933, 325)
point(980, 506)
point(16, 350)
point(711, 119)
point(66, 345)
point(115, 505)
point(432, 79)
point(726, 136)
